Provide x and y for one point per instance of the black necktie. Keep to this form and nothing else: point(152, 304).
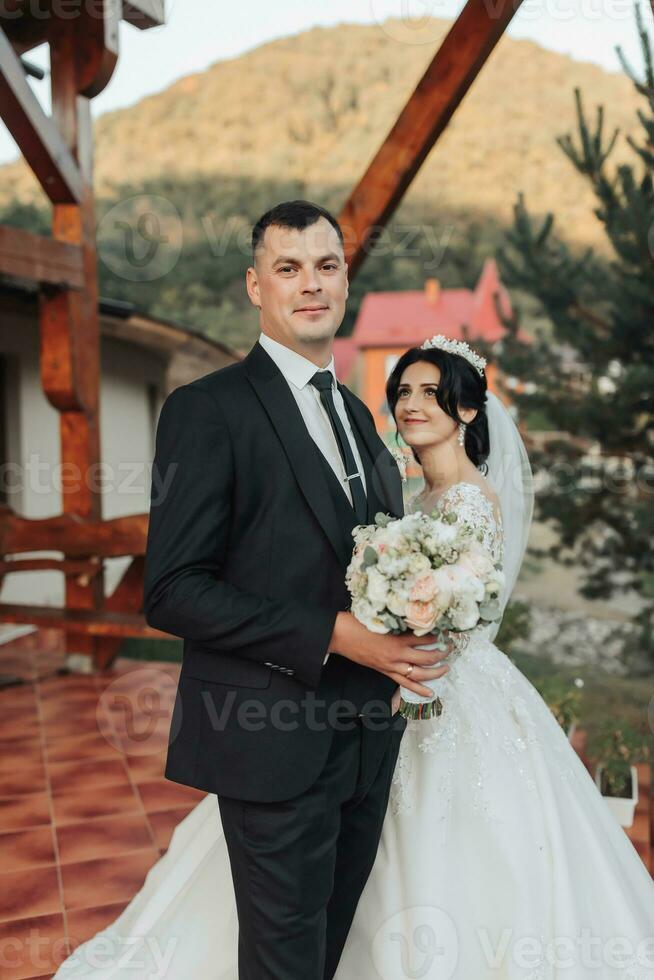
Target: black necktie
point(322, 380)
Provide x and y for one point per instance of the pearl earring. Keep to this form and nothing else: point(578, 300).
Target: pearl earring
point(462, 433)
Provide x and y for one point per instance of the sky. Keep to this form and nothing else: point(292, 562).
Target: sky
point(201, 32)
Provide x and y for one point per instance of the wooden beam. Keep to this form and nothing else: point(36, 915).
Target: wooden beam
point(91, 622)
point(27, 27)
point(96, 48)
point(66, 567)
point(76, 537)
point(454, 68)
point(40, 259)
point(24, 30)
point(144, 13)
point(36, 135)
point(127, 597)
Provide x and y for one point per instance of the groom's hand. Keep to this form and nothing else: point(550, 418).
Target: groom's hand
point(389, 654)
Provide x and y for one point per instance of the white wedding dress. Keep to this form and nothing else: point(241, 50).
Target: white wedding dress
point(498, 858)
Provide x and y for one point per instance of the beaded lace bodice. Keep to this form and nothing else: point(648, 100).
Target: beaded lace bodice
point(471, 503)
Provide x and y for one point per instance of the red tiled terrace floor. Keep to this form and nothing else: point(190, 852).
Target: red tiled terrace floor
point(84, 807)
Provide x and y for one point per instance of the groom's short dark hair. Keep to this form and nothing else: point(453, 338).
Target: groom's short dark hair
point(292, 214)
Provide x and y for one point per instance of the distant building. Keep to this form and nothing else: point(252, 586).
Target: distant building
point(389, 323)
point(142, 358)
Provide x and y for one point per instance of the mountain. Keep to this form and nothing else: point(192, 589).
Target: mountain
point(305, 114)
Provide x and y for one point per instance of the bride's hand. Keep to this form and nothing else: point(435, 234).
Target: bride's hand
point(395, 703)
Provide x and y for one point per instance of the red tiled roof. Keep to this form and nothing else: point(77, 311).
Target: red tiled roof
point(405, 319)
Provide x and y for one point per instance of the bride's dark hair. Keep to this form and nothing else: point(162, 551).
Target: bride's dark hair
point(460, 384)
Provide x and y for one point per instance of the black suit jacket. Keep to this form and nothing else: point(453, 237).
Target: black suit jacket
point(248, 542)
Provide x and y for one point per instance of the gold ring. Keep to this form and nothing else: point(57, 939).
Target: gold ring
point(409, 670)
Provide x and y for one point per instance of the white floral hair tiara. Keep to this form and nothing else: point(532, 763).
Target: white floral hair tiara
point(459, 347)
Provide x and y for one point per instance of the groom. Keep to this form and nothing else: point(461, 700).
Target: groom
point(283, 709)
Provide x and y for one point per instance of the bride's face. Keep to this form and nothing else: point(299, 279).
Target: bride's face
point(420, 420)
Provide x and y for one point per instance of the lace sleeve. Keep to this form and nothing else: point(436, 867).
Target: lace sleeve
point(472, 504)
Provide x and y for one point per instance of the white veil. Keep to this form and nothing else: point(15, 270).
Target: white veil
point(510, 475)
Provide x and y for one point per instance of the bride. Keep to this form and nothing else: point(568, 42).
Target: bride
point(498, 856)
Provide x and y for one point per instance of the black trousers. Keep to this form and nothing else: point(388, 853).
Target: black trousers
point(299, 866)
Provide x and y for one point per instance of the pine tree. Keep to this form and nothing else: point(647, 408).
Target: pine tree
point(591, 375)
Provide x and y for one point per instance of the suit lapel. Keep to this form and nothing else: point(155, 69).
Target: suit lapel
point(383, 478)
point(278, 402)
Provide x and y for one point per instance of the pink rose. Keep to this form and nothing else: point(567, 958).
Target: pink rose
point(421, 617)
point(424, 588)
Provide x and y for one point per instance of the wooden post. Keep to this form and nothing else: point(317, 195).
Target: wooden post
point(70, 328)
point(59, 150)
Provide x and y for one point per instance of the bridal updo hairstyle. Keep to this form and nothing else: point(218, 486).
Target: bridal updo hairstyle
point(460, 384)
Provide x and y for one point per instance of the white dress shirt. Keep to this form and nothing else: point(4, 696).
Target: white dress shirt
point(298, 371)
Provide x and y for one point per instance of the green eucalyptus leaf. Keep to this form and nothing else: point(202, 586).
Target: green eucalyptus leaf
point(370, 556)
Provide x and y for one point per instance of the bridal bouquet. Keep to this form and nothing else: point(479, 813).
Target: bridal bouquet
point(428, 573)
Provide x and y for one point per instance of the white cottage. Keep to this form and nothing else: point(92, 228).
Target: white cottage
point(142, 359)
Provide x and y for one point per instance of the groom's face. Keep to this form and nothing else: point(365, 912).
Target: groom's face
point(299, 282)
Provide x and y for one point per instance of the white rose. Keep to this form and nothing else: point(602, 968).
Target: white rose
point(441, 534)
point(496, 582)
point(418, 563)
point(443, 584)
point(392, 566)
point(396, 603)
point(466, 586)
point(464, 615)
point(478, 562)
point(368, 616)
point(377, 588)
